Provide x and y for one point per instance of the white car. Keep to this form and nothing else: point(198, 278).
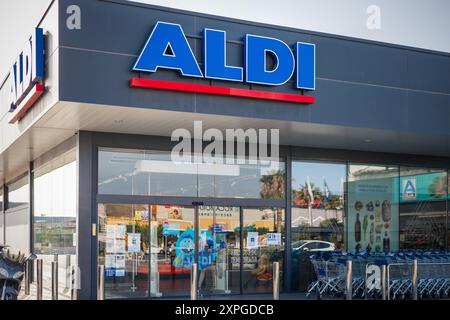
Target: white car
point(313, 246)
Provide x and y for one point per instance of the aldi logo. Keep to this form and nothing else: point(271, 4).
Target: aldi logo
point(26, 77)
point(168, 48)
point(409, 189)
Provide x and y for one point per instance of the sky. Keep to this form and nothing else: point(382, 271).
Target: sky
point(419, 23)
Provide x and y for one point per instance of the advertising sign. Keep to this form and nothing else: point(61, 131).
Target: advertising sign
point(171, 229)
point(134, 242)
point(373, 215)
point(409, 189)
point(423, 187)
point(252, 240)
point(273, 239)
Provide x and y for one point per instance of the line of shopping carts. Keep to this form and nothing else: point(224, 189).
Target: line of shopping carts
point(433, 274)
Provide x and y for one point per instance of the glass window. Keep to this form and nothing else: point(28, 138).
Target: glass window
point(263, 243)
point(18, 193)
point(55, 203)
point(219, 249)
point(318, 201)
point(55, 216)
point(373, 208)
point(245, 181)
point(317, 215)
point(137, 172)
point(423, 208)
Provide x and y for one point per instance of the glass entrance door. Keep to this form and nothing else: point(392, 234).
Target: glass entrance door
point(172, 249)
point(148, 250)
point(123, 242)
point(219, 250)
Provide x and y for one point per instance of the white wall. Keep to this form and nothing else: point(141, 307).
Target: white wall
point(16, 39)
point(417, 23)
point(17, 20)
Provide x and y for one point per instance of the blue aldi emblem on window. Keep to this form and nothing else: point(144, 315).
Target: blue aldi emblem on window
point(409, 189)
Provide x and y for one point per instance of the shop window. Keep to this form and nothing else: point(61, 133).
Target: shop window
point(373, 208)
point(263, 239)
point(317, 215)
point(134, 172)
point(18, 193)
point(423, 208)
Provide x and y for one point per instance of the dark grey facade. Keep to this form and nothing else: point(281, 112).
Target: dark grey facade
point(365, 87)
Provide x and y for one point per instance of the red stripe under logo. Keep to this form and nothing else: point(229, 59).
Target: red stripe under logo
point(222, 91)
point(28, 102)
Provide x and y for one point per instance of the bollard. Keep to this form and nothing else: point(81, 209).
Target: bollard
point(414, 280)
point(39, 279)
point(67, 273)
point(383, 282)
point(101, 282)
point(73, 293)
point(348, 281)
point(276, 281)
point(27, 277)
point(194, 282)
point(54, 280)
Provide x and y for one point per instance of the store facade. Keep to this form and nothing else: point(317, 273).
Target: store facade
point(363, 162)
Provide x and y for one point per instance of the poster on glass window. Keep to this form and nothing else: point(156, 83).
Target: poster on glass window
point(372, 223)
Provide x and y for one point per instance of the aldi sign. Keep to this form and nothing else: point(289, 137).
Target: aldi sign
point(27, 76)
point(168, 48)
point(409, 189)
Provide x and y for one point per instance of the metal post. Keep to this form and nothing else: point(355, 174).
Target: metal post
point(348, 281)
point(27, 277)
point(383, 282)
point(74, 276)
point(276, 281)
point(101, 282)
point(414, 280)
point(39, 279)
point(388, 285)
point(67, 272)
point(194, 281)
point(54, 280)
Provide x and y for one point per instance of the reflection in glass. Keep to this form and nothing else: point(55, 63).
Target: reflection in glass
point(263, 243)
point(55, 213)
point(18, 193)
point(423, 208)
point(137, 172)
point(317, 215)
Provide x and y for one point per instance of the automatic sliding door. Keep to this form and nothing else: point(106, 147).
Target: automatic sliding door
point(219, 250)
point(172, 249)
point(123, 249)
point(263, 243)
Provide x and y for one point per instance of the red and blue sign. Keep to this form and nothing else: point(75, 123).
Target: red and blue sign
point(27, 76)
point(168, 48)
